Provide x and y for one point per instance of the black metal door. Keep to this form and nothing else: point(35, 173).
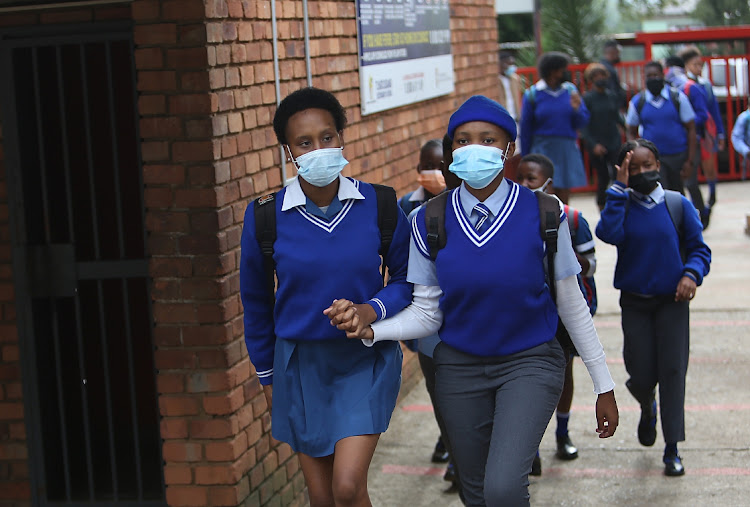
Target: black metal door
point(80, 268)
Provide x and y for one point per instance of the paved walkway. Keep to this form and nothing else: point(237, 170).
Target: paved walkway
point(618, 470)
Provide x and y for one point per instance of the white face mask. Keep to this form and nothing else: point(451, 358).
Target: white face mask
point(320, 167)
point(478, 165)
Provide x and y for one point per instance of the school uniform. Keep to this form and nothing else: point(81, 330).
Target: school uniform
point(414, 200)
point(602, 129)
point(664, 125)
point(649, 267)
point(549, 126)
point(497, 324)
point(741, 138)
point(326, 387)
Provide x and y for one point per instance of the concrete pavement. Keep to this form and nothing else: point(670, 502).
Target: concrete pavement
point(619, 470)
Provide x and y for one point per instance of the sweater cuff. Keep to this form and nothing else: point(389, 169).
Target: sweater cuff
point(379, 308)
point(265, 377)
point(691, 274)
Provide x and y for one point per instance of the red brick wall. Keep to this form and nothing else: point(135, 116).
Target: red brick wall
point(206, 99)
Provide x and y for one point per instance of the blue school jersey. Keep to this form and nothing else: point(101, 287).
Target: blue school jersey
point(318, 261)
point(648, 247)
point(495, 299)
point(662, 123)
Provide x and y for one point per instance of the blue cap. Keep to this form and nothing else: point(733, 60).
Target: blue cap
point(480, 108)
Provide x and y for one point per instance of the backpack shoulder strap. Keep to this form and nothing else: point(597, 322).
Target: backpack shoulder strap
point(388, 210)
point(674, 94)
point(549, 222)
point(265, 234)
point(434, 218)
point(641, 102)
point(674, 206)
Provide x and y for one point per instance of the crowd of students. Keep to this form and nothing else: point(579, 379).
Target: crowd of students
point(491, 277)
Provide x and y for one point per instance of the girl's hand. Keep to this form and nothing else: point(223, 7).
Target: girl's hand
point(622, 170)
point(575, 101)
point(349, 317)
point(685, 289)
point(607, 416)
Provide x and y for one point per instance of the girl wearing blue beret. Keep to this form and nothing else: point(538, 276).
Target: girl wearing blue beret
point(499, 368)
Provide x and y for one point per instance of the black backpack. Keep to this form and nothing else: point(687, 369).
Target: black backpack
point(674, 94)
point(549, 223)
point(265, 229)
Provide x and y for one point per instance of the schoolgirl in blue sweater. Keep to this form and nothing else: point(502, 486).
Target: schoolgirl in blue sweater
point(551, 115)
point(499, 368)
point(658, 271)
point(330, 397)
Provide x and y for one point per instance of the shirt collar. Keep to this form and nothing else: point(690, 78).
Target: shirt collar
point(494, 202)
point(664, 94)
point(417, 195)
point(294, 196)
point(657, 194)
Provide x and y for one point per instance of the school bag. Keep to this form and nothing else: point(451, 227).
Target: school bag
point(549, 223)
point(265, 229)
point(589, 289)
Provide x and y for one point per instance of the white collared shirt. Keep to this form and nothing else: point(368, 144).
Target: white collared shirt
point(294, 196)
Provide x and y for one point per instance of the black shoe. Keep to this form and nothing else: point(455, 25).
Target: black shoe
point(450, 473)
point(673, 466)
point(440, 454)
point(647, 425)
point(536, 466)
point(565, 449)
point(711, 199)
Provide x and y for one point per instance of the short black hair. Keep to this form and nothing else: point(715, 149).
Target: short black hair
point(674, 61)
point(550, 62)
point(636, 143)
point(505, 54)
point(654, 63)
point(548, 168)
point(611, 43)
point(689, 53)
point(307, 98)
point(432, 143)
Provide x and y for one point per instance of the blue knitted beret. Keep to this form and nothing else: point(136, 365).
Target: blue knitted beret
point(480, 108)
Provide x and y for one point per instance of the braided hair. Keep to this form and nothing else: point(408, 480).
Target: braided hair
point(636, 143)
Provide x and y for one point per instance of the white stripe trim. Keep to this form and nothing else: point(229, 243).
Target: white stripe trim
point(418, 240)
point(505, 212)
point(618, 189)
point(381, 306)
point(329, 226)
point(584, 247)
point(265, 373)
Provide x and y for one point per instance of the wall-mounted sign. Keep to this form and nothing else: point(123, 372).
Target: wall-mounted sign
point(404, 52)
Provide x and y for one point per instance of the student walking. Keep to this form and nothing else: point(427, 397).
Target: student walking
point(496, 319)
point(330, 398)
point(536, 173)
point(741, 139)
point(661, 260)
point(429, 176)
point(551, 115)
point(667, 119)
point(602, 135)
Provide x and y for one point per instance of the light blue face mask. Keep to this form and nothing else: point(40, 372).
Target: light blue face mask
point(320, 167)
point(478, 165)
point(511, 70)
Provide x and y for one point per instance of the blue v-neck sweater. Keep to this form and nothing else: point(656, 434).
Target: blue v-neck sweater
point(317, 262)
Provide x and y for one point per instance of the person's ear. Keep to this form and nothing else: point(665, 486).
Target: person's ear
point(287, 152)
point(658, 165)
point(341, 138)
point(511, 149)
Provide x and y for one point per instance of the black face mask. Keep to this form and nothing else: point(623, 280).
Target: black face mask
point(644, 183)
point(615, 61)
point(655, 85)
point(601, 83)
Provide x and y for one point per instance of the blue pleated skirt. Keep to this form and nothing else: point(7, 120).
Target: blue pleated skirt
point(327, 390)
point(564, 153)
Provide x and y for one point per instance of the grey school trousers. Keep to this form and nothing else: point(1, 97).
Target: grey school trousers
point(656, 348)
point(671, 165)
point(496, 410)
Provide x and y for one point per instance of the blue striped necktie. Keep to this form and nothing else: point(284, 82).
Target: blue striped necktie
point(484, 218)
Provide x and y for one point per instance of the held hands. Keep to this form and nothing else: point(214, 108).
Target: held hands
point(622, 170)
point(685, 289)
point(575, 101)
point(607, 416)
point(354, 319)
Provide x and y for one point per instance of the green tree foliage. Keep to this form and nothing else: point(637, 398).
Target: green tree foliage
point(515, 27)
point(574, 27)
point(723, 12)
point(640, 8)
